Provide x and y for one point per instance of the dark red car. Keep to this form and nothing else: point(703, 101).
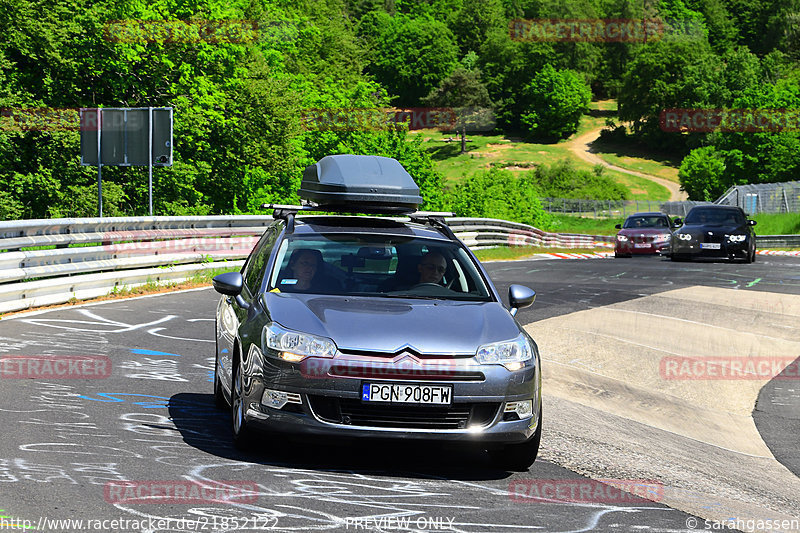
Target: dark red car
point(643, 233)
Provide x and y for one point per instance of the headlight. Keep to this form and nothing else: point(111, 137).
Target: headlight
point(295, 346)
point(684, 236)
point(661, 238)
point(622, 238)
point(508, 353)
point(737, 238)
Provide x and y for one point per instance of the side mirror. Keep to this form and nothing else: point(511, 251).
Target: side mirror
point(752, 222)
point(677, 222)
point(618, 226)
point(520, 296)
point(230, 284)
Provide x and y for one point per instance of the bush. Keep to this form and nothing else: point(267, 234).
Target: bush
point(563, 180)
point(554, 103)
point(499, 194)
point(702, 173)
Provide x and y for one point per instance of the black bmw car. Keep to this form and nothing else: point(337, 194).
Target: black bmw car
point(714, 231)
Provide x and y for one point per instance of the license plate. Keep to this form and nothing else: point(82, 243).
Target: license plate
point(641, 245)
point(407, 393)
point(710, 245)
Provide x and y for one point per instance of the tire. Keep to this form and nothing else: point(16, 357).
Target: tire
point(242, 434)
point(518, 457)
point(219, 397)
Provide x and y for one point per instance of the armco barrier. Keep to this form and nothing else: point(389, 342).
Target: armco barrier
point(92, 256)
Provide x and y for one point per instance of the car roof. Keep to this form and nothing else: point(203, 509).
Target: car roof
point(719, 207)
point(648, 214)
point(315, 224)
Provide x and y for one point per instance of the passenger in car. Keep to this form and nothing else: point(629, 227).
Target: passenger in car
point(306, 273)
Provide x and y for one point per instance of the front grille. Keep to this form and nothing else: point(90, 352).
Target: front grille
point(358, 413)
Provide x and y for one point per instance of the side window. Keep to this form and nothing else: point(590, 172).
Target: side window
point(257, 262)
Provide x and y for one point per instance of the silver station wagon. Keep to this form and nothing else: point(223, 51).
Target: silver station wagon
point(373, 326)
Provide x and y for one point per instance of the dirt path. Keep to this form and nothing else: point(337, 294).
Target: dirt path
point(580, 146)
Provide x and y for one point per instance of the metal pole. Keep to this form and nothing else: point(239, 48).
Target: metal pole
point(99, 163)
point(150, 160)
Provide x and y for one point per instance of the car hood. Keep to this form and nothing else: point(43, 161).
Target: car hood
point(648, 232)
point(391, 325)
point(714, 229)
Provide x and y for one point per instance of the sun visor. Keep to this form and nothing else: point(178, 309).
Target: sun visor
point(360, 183)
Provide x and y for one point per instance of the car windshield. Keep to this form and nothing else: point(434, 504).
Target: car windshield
point(386, 266)
point(645, 222)
point(715, 217)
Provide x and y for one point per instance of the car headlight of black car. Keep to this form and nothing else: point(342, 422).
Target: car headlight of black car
point(736, 238)
point(294, 346)
point(622, 238)
point(511, 354)
point(684, 236)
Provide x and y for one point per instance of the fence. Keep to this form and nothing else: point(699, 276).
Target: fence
point(615, 208)
point(753, 199)
point(89, 257)
point(764, 197)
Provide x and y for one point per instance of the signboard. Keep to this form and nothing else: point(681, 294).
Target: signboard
point(126, 136)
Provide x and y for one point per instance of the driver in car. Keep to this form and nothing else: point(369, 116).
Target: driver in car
point(431, 268)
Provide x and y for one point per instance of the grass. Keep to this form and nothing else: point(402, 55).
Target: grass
point(587, 226)
point(777, 224)
point(641, 164)
point(519, 155)
point(520, 252)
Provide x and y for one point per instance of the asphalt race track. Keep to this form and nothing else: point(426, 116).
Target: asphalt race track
point(153, 420)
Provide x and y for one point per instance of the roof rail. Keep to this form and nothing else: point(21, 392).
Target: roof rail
point(432, 218)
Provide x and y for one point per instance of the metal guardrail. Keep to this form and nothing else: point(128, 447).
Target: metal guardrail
point(86, 258)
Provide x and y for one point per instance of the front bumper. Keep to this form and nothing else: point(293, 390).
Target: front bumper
point(694, 248)
point(332, 406)
point(641, 246)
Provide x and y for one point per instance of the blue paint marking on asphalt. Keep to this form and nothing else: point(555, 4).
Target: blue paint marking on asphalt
point(225, 350)
point(111, 397)
point(210, 375)
point(140, 351)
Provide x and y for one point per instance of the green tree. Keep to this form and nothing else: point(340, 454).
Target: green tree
point(554, 103)
point(467, 96)
point(409, 56)
point(702, 174)
point(666, 74)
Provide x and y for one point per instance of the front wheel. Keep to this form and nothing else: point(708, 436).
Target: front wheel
point(242, 434)
point(219, 397)
point(519, 457)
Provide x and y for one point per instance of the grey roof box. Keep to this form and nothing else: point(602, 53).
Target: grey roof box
point(360, 183)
